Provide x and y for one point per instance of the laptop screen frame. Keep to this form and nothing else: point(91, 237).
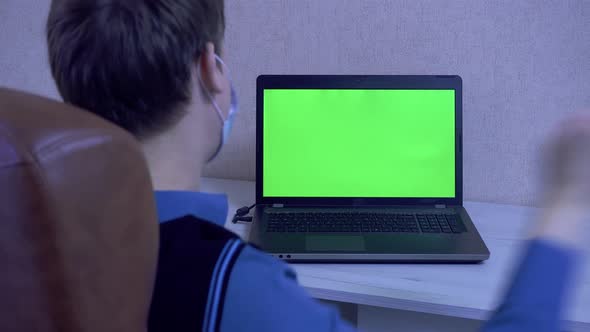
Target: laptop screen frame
point(381, 82)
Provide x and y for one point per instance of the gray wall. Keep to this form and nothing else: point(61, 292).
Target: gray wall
point(524, 65)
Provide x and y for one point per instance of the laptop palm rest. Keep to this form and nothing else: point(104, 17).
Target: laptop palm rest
point(334, 243)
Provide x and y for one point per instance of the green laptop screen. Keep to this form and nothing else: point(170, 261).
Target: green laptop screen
point(359, 143)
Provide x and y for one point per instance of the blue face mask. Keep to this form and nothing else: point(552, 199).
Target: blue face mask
point(227, 122)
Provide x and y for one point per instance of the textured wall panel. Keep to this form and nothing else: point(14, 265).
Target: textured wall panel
point(524, 65)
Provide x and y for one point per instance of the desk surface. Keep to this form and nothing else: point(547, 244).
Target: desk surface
point(467, 291)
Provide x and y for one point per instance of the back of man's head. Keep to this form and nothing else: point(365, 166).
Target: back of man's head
point(130, 61)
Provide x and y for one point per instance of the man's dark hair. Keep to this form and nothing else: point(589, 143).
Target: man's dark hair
point(130, 61)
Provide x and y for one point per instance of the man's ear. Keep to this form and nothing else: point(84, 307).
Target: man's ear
point(211, 74)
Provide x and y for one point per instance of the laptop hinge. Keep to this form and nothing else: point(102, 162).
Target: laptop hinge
point(278, 205)
point(440, 206)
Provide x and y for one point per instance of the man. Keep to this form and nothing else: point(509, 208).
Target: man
point(154, 68)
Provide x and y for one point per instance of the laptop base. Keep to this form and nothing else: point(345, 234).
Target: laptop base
point(361, 247)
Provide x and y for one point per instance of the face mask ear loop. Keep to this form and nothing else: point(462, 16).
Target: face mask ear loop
point(217, 109)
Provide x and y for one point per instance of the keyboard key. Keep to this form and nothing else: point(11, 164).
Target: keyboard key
point(456, 229)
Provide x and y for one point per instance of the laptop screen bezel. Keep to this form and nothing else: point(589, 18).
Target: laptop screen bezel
point(408, 82)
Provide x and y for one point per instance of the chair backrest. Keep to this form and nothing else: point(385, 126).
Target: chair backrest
point(78, 226)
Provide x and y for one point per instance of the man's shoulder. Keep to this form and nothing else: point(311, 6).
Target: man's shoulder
point(205, 206)
point(195, 260)
point(254, 264)
point(193, 229)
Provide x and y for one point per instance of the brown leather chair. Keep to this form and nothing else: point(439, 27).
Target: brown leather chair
point(78, 228)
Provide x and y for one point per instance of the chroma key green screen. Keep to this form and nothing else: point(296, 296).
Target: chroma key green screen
point(359, 143)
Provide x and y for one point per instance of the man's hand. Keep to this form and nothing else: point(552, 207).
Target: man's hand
point(568, 162)
point(567, 184)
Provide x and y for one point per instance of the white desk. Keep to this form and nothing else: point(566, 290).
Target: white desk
point(463, 291)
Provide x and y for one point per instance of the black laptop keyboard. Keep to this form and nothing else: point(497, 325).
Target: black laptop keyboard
point(362, 222)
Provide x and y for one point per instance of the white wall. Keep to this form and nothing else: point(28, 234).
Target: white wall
point(524, 65)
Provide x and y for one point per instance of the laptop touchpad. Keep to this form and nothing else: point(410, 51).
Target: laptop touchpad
point(334, 243)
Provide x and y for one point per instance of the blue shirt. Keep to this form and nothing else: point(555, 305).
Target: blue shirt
point(260, 284)
point(535, 299)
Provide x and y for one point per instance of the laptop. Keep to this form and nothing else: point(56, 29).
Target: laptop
point(361, 169)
